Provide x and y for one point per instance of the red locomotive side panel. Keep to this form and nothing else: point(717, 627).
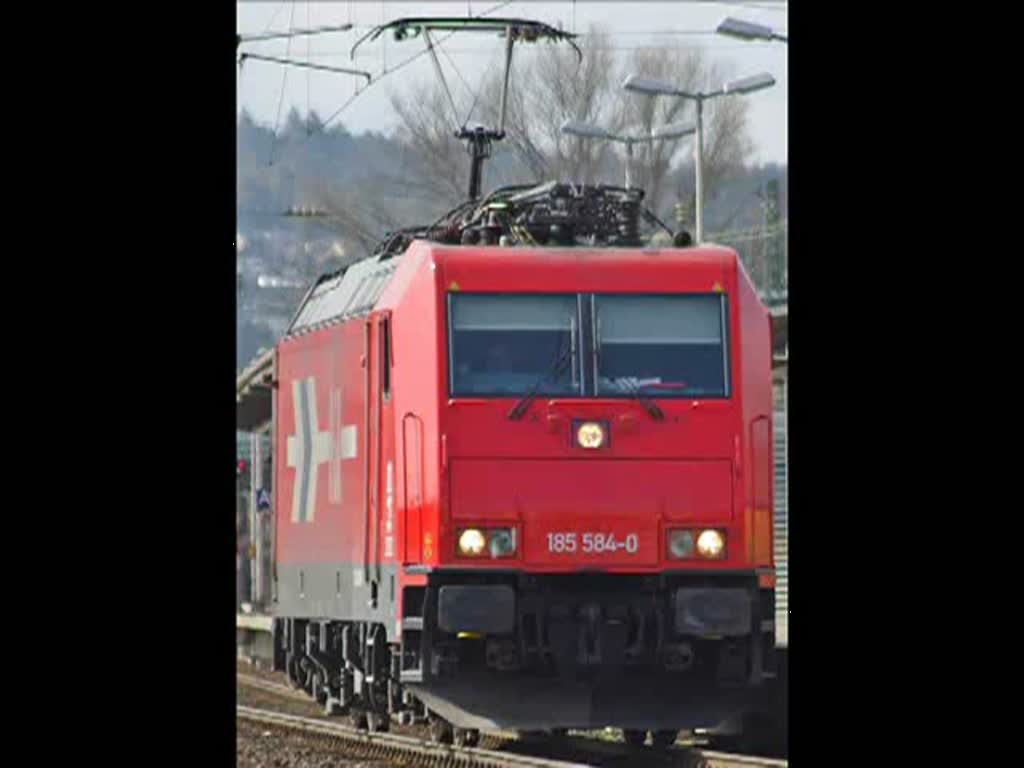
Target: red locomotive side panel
point(321, 470)
point(320, 397)
point(337, 523)
point(410, 298)
point(754, 353)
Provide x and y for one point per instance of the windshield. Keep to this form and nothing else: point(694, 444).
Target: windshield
point(664, 346)
point(504, 344)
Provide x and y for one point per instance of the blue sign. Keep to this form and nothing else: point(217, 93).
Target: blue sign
point(262, 499)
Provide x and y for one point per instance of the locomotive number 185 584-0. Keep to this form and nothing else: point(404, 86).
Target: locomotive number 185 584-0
point(592, 542)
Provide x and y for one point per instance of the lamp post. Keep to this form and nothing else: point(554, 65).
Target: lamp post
point(659, 88)
point(748, 30)
point(587, 131)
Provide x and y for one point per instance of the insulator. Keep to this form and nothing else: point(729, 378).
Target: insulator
point(630, 226)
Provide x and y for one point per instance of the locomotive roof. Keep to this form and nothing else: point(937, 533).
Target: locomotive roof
point(354, 290)
point(340, 295)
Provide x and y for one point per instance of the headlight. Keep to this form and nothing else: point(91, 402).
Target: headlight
point(711, 544)
point(590, 434)
point(472, 542)
point(680, 544)
point(502, 542)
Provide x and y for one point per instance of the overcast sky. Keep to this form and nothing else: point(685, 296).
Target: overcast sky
point(267, 89)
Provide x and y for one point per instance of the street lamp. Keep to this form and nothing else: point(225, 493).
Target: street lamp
point(748, 30)
point(659, 88)
point(587, 131)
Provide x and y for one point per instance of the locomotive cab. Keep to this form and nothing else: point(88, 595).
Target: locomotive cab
point(602, 551)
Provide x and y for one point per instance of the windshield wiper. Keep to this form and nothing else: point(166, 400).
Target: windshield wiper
point(520, 408)
point(649, 405)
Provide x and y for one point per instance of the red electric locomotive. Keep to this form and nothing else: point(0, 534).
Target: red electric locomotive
point(523, 477)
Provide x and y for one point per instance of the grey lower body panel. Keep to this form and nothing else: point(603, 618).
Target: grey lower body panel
point(337, 591)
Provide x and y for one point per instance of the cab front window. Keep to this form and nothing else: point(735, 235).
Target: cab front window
point(661, 346)
point(505, 345)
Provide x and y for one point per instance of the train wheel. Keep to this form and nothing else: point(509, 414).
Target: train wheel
point(359, 719)
point(333, 708)
point(663, 739)
point(634, 738)
point(319, 691)
point(377, 722)
point(440, 730)
point(293, 672)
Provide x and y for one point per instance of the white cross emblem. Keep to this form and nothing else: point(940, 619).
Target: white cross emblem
point(309, 447)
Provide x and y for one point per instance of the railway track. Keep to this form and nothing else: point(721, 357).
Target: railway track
point(494, 750)
point(251, 681)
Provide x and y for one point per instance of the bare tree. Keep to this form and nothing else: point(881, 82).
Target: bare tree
point(550, 85)
point(556, 86)
point(360, 214)
point(427, 129)
point(726, 143)
point(642, 114)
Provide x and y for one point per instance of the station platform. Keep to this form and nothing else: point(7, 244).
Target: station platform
point(254, 637)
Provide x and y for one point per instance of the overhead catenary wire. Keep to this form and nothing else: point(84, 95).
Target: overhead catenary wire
point(358, 91)
point(472, 106)
point(394, 69)
point(307, 65)
point(309, 32)
point(475, 93)
point(764, 5)
point(284, 80)
point(309, 74)
point(274, 16)
point(440, 73)
point(385, 71)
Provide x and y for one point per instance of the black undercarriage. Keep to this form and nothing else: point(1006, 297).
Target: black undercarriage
point(530, 652)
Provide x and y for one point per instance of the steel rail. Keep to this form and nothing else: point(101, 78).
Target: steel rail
point(383, 742)
point(477, 756)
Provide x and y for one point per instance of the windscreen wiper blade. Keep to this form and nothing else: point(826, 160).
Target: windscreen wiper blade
point(649, 405)
point(556, 368)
